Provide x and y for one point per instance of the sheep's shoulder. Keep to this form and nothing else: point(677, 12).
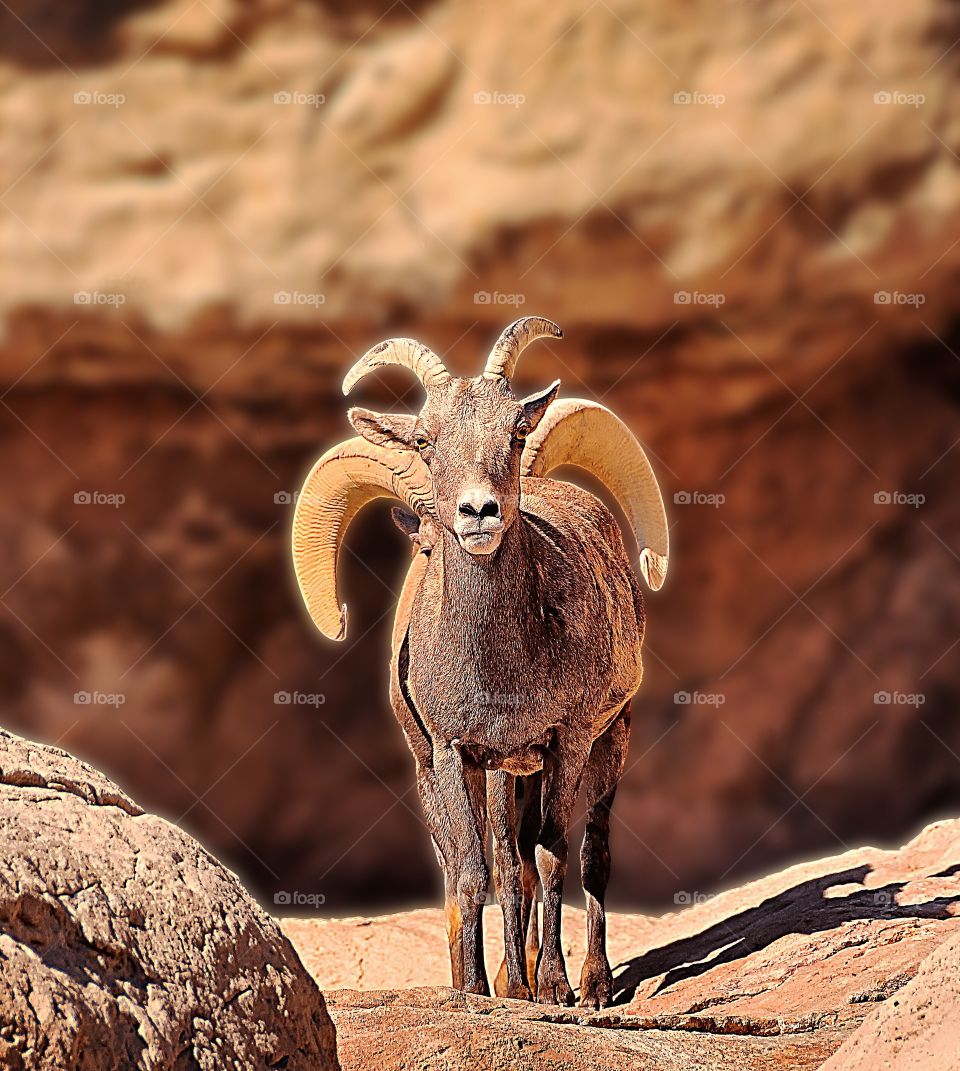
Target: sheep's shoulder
point(572, 515)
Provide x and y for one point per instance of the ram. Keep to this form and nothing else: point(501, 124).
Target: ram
point(517, 640)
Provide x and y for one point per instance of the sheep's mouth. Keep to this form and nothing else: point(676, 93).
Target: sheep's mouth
point(479, 542)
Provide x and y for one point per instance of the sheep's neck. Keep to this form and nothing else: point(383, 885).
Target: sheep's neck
point(485, 593)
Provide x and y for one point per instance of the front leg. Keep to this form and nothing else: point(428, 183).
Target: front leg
point(462, 788)
point(562, 769)
point(501, 794)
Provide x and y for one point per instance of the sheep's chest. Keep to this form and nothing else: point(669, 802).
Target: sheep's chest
point(500, 699)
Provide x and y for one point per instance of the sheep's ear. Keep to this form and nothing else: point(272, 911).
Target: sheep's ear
point(406, 521)
point(537, 404)
point(384, 429)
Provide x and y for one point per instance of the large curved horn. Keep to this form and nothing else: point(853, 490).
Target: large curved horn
point(339, 485)
point(502, 362)
point(588, 435)
point(405, 352)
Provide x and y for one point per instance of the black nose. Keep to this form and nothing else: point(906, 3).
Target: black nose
point(478, 504)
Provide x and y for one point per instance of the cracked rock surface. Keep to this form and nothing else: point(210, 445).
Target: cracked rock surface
point(124, 944)
point(776, 973)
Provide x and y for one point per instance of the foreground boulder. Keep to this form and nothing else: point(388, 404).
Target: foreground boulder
point(124, 944)
point(780, 972)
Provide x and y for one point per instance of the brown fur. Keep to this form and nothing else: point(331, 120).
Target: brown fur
point(515, 665)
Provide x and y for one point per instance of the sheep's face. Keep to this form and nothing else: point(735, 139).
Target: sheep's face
point(470, 434)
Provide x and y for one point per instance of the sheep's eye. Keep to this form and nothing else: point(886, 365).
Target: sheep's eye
point(521, 433)
point(421, 442)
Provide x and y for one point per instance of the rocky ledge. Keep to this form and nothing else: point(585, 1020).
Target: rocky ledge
point(851, 959)
point(123, 943)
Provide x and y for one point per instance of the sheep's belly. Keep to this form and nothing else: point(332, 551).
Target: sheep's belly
point(521, 762)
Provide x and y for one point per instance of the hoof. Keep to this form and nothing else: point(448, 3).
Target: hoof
point(596, 985)
point(518, 992)
point(553, 988)
point(503, 988)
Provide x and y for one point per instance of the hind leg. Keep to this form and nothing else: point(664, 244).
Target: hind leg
point(600, 779)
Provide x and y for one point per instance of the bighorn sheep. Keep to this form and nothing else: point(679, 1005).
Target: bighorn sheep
point(517, 642)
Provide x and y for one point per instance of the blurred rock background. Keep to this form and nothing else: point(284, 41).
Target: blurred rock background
point(746, 217)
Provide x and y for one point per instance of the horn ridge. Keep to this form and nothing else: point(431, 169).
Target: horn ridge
point(404, 353)
point(502, 362)
point(339, 485)
point(590, 436)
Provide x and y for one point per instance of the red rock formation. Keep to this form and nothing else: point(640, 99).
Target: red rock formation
point(259, 243)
